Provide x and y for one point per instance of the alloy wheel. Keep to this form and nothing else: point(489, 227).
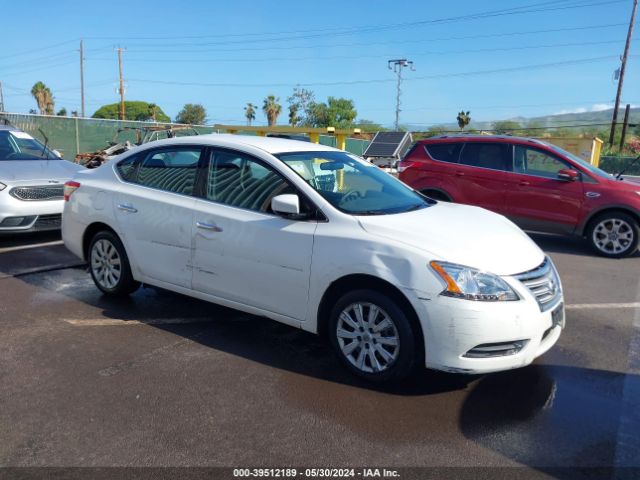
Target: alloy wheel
point(613, 236)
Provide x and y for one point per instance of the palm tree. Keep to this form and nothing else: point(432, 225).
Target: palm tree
point(463, 119)
point(153, 108)
point(271, 109)
point(42, 95)
point(250, 113)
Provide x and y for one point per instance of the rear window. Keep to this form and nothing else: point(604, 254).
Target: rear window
point(494, 156)
point(443, 152)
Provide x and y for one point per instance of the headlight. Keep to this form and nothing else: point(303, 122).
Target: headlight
point(2, 186)
point(471, 284)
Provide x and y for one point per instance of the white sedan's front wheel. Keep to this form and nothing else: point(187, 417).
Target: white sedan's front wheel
point(372, 336)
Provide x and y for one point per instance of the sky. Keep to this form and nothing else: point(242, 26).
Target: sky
point(498, 59)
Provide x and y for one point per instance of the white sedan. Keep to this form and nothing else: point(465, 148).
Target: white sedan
point(31, 183)
point(319, 239)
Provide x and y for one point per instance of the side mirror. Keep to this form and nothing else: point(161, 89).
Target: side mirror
point(286, 204)
point(568, 175)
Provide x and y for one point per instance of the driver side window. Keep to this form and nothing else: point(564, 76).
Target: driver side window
point(237, 180)
point(532, 161)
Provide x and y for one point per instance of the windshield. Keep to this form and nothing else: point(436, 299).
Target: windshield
point(584, 164)
point(353, 185)
point(17, 145)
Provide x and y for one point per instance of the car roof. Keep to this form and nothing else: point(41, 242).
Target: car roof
point(271, 145)
point(460, 137)
point(10, 128)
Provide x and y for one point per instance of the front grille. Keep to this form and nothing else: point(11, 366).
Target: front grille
point(38, 193)
point(48, 222)
point(543, 283)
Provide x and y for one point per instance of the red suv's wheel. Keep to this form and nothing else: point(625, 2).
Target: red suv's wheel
point(614, 234)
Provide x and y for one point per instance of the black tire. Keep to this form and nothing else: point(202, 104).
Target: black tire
point(601, 231)
point(434, 194)
point(125, 283)
point(406, 358)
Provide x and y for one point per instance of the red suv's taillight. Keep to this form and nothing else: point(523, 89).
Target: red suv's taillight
point(69, 188)
point(404, 164)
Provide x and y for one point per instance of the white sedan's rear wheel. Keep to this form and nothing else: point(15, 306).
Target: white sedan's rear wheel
point(109, 265)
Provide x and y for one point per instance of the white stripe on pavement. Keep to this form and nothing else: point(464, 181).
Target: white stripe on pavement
point(585, 306)
point(100, 322)
point(27, 247)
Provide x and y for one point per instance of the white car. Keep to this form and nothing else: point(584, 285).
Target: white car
point(322, 240)
point(32, 179)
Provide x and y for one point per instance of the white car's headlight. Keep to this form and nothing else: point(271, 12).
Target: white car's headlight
point(2, 186)
point(471, 284)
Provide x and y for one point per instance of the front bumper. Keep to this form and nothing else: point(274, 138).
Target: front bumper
point(28, 216)
point(473, 337)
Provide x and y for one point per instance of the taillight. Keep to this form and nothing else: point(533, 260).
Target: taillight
point(69, 188)
point(404, 164)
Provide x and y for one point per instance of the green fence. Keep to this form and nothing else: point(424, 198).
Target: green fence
point(616, 164)
point(72, 135)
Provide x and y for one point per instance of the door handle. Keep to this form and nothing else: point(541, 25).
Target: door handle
point(125, 207)
point(459, 174)
point(524, 183)
point(208, 226)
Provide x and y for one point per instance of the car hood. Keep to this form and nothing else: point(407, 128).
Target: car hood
point(21, 171)
point(461, 234)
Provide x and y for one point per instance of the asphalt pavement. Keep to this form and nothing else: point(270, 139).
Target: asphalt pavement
point(163, 380)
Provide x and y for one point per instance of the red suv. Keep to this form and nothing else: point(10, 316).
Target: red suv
point(537, 185)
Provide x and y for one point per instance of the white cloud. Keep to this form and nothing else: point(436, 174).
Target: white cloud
point(575, 110)
point(598, 107)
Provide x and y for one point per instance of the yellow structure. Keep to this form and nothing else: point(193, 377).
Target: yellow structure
point(586, 148)
point(341, 134)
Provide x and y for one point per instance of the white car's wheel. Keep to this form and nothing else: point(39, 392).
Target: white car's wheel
point(372, 336)
point(109, 265)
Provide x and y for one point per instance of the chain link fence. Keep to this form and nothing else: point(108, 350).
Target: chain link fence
point(73, 135)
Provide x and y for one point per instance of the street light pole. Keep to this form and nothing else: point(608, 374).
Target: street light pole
point(397, 65)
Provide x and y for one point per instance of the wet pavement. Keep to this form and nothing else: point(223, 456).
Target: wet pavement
point(164, 380)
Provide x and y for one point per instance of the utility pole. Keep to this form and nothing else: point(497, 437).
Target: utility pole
point(622, 69)
point(81, 80)
point(121, 89)
point(1, 99)
point(625, 124)
point(397, 65)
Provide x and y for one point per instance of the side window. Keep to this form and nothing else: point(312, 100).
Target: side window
point(444, 152)
point(173, 170)
point(240, 181)
point(127, 168)
point(494, 156)
point(532, 161)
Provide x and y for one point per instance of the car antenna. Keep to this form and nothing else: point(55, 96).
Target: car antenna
point(46, 142)
point(631, 163)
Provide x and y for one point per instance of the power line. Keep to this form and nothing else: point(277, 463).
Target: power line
point(382, 80)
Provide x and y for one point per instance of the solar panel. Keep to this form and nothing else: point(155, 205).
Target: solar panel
point(388, 145)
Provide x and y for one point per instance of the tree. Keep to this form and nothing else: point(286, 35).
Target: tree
point(505, 126)
point(463, 119)
point(133, 110)
point(74, 113)
point(271, 109)
point(153, 109)
point(337, 112)
point(192, 113)
point(301, 99)
point(250, 113)
point(62, 112)
point(44, 98)
point(293, 115)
